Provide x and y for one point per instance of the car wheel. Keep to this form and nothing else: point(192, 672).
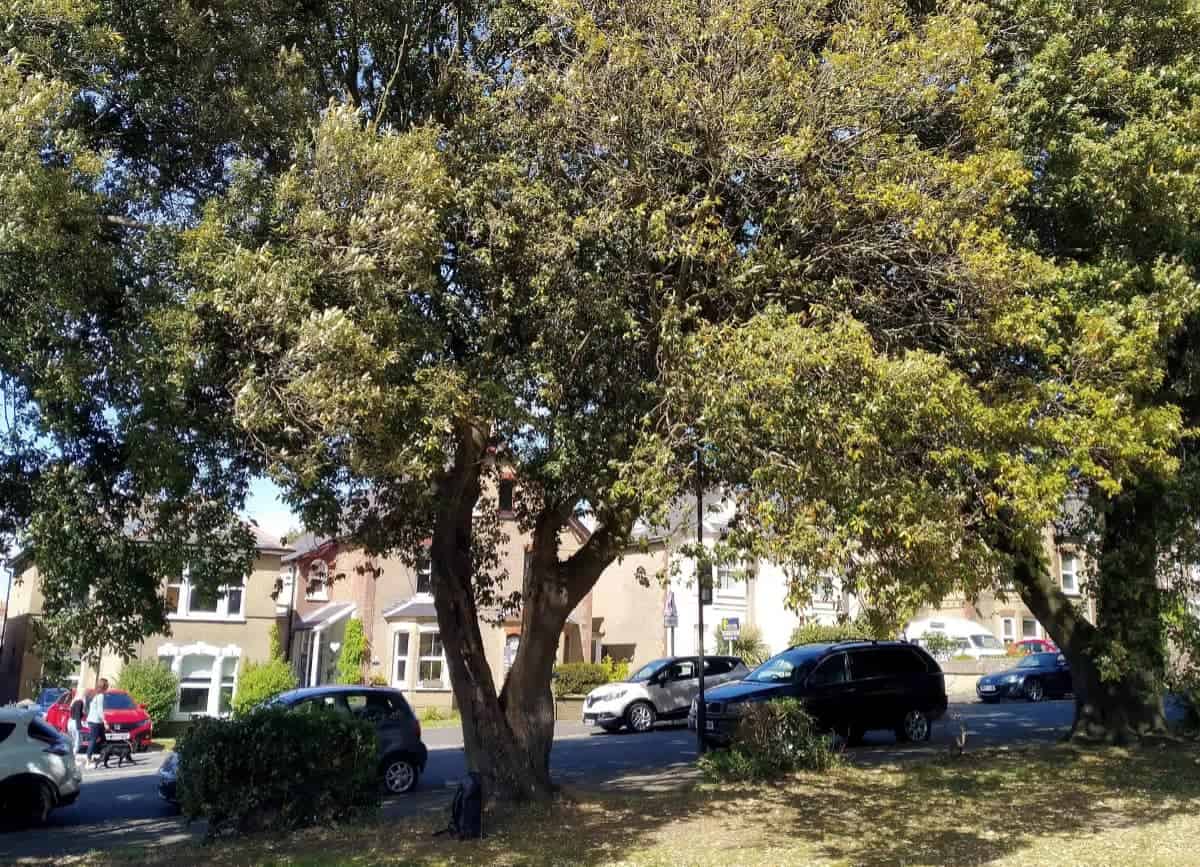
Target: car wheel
point(640, 716)
point(1034, 691)
point(399, 775)
point(914, 727)
point(41, 803)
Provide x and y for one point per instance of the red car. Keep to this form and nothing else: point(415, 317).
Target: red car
point(1037, 645)
point(124, 718)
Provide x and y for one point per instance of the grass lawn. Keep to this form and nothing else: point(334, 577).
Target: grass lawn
point(1051, 805)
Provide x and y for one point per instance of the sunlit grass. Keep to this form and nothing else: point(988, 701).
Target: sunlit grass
point(1057, 805)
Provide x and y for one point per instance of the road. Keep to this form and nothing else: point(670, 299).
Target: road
point(122, 808)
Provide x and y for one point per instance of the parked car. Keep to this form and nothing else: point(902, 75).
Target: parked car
point(1034, 677)
point(1036, 645)
point(37, 771)
point(402, 755)
point(850, 687)
point(124, 719)
point(971, 639)
point(659, 690)
point(47, 697)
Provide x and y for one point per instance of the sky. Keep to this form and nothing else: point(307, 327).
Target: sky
point(265, 506)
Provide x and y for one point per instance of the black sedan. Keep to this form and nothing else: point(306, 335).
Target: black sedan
point(1035, 677)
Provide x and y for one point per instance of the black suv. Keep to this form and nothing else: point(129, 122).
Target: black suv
point(851, 687)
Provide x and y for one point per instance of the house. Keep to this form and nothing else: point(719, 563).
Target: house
point(212, 636)
point(334, 581)
point(1002, 612)
point(630, 615)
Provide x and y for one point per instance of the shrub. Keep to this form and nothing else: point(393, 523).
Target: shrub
point(749, 645)
point(579, 678)
point(772, 739)
point(617, 671)
point(261, 681)
point(433, 713)
point(940, 647)
point(378, 679)
point(275, 648)
point(817, 633)
point(152, 684)
point(353, 654)
point(278, 769)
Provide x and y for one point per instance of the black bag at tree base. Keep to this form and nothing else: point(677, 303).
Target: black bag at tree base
point(466, 810)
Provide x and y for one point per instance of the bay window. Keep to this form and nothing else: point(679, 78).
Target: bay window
point(207, 678)
point(400, 660)
point(432, 663)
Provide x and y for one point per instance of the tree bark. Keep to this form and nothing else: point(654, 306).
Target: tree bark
point(1125, 704)
point(508, 736)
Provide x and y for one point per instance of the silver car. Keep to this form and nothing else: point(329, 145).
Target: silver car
point(659, 690)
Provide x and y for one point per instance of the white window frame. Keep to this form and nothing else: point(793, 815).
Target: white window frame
point(1036, 630)
point(424, 567)
point(287, 580)
point(1073, 590)
point(183, 609)
point(1008, 628)
point(176, 653)
point(402, 683)
point(417, 684)
point(322, 593)
point(726, 583)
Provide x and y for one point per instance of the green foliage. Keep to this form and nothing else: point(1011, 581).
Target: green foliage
point(152, 684)
point(615, 671)
point(354, 653)
point(260, 681)
point(940, 646)
point(580, 678)
point(432, 713)
point(378, 679)
point(275, 646)
point(773, 739)
point(819, 633)
point(749, 645)
point(277, 770)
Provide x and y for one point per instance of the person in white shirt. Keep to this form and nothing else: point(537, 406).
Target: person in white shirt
point(95, 720)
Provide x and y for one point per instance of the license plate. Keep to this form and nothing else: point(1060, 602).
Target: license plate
point(116, 736)
point(710, 726)
point(987, 689)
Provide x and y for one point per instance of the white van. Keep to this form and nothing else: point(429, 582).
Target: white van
point(971, 639)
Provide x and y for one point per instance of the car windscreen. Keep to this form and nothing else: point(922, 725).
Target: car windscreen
point(648, 670)
point(784, 667)
point(987, 642)
point(1036, 660)
point(118, 701)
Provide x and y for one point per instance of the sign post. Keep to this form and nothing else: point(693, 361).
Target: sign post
point(702, 585)
point(671, 618)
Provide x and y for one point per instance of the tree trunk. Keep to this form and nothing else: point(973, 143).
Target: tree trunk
point(1116, 708)
point(508, 737)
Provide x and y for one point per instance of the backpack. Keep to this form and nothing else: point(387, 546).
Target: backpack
point(466, 810)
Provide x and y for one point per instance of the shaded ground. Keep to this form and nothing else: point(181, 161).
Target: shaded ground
point(1036, 805)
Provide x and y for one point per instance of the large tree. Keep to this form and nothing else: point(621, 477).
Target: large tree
point(380, 251)
point(1102, 100)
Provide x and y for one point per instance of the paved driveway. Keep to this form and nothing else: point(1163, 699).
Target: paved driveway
point(122, 808)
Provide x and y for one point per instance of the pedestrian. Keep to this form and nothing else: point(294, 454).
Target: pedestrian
point(75, 722)
point(95, 721)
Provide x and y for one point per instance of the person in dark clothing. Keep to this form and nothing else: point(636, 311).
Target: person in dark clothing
point(95, 719)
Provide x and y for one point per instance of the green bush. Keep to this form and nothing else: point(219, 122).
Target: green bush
point(817, 633)
point(772, 739)
point(617, 671)
point(940, 646)
point(277, 770)
point(749, 645)
point(152, 684)
point(261, 681)
point(579, 678)
point(353, 654)
point(275, 649)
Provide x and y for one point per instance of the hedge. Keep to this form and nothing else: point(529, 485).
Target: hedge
point(278, 769)
point(580, 678)
point(261, 681)
point(817, 633)
point(152, 684)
